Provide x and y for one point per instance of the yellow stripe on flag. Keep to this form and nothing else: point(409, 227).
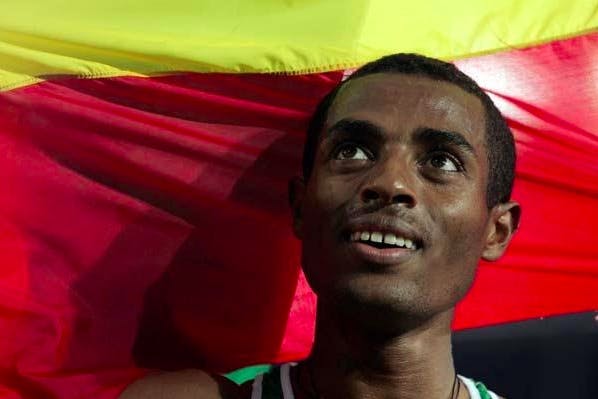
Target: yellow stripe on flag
point(45, 38)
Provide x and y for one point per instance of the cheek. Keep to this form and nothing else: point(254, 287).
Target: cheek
point(319, 203)
point(453, 262)
point(459, 238)
point(317, 212)
point(327, 197)
point(464, 225)
point(459, 215)
point(324, 210)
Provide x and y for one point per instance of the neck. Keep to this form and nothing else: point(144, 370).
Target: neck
point(348, 361)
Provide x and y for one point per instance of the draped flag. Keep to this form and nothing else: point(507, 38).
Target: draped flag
point(145, 149)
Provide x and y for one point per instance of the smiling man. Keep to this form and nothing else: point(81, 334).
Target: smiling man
point(407, 175)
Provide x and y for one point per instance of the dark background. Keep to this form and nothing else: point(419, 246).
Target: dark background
point(554, 357)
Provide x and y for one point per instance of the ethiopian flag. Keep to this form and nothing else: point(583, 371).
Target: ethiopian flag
point(145, 149)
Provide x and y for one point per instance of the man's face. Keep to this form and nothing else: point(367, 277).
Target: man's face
point(401, 160)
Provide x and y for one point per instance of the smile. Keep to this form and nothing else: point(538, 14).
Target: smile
point(382, 247)
point(382, 240)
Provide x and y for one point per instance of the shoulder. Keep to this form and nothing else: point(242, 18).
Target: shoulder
point(185, 384)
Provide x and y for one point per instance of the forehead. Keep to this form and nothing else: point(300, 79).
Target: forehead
point(396, 101)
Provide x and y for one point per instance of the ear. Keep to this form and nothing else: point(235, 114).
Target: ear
point(504, 221)
point(296, 195)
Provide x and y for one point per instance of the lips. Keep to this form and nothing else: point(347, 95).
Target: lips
point(381, 256)
point(384, 241)
point(381, 229)
point(381, 239)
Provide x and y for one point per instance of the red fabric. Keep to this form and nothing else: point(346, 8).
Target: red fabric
point(549, 95)
point(161, 200)
point(144, 221)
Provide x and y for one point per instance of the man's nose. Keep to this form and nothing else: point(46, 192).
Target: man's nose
point(391, 183)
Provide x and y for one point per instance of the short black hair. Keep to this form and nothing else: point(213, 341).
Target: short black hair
point(499, 139)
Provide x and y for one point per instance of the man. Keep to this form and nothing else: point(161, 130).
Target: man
point(407, 175)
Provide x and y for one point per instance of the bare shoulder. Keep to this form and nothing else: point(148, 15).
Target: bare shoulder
point(184, 384)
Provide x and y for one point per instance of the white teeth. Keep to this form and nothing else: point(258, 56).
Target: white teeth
point(376, 237)
point(387, 238)
point(390, 238)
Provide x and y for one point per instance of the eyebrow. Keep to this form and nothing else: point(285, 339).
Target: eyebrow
point(435, 136)
point(354, 126)
point(423, 135)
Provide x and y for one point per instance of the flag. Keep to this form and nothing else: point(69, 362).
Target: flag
point(145, 153)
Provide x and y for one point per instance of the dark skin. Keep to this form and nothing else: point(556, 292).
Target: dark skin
point(402, 155)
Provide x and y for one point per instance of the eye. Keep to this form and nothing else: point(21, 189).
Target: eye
point(444, 162)
point(351, 151)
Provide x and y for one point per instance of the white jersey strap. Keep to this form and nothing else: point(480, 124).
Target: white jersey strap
point(256, 392)
point(285, 381)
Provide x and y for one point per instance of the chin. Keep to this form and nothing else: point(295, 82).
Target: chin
point(381, 307)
